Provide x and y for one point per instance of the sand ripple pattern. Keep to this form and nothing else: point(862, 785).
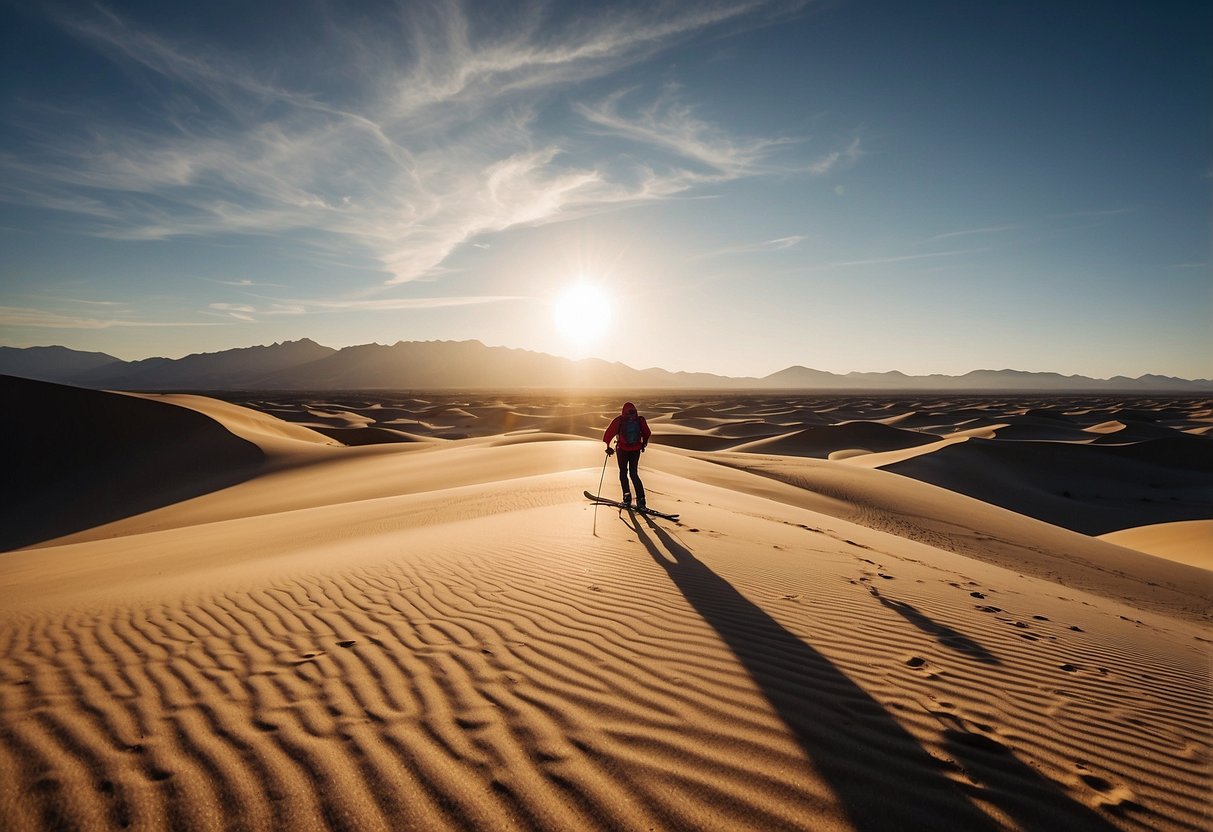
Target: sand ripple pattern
point(629, 687)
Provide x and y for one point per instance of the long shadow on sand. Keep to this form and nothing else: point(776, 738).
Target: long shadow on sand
point(882, 777)
point(946, 635)
point(1032, 801)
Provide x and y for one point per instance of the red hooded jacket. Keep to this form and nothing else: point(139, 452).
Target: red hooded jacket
point(629, 409)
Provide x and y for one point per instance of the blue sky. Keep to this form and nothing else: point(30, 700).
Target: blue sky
point(927, 186)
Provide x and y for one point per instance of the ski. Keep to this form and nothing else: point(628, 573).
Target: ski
point(604, 501)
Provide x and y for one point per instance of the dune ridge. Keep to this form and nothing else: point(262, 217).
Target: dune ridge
point(427, 635)
point(86, 457)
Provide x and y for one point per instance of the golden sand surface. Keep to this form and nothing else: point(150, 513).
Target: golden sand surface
point(378, 611)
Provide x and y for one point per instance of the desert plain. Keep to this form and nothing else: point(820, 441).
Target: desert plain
point(397, 611)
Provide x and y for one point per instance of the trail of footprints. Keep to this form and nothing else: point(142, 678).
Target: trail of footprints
point(1118, 799)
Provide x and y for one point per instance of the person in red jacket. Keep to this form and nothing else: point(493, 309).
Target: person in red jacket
point(633, 437)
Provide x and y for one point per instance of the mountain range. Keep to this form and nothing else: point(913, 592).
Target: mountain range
point(434, 365)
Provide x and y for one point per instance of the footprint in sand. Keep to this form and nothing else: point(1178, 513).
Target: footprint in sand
point(1096, 782)
point(1116, 799)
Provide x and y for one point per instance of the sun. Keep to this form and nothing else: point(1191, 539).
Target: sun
point(583, 312)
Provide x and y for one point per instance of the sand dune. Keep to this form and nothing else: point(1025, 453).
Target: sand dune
point(1093, 490)
point(1189, 541)
point(822, 441)
point(78, 458)
point(428, 635)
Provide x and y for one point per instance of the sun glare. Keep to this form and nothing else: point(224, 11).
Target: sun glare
point(583, 312)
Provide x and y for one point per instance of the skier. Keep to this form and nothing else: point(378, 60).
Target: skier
point(633, 437)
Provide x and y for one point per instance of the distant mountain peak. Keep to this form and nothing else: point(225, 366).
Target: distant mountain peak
point(470, 364)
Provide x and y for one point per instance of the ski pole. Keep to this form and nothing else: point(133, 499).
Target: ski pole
point(600, 479)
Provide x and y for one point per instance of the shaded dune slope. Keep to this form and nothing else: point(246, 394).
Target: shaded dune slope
point(822, 441)
point(78, 458)
point(1093, 490)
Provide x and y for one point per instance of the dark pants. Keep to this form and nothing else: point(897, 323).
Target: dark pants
point(628, 463)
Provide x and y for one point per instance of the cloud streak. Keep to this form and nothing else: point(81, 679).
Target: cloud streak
point(837, 160)
point(671, 125)
point(251, 314)
point(970, 232)
point(388, 304)
point(778, 244)
point(405, 158)
point(898, 258)
point(17, 316)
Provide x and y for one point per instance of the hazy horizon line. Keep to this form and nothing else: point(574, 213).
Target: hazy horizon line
point(638, 369)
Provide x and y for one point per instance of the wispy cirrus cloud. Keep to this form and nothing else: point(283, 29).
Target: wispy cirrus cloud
point(673, 126)
point(251, 313)
point(246, 283)
point(239, 311)
point(17, 316)
point(837, 160)
point(778, 244)
point(387, 304)
point(1095, 212)
point(105, 303)
point(407, 154)
point(971, 232)
point(454, 66)
point(896, 258)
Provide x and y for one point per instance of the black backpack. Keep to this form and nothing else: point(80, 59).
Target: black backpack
point(629, 430)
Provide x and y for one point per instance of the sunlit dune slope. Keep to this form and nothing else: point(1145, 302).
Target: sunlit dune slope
point(922, 512)
point(1188, 541)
